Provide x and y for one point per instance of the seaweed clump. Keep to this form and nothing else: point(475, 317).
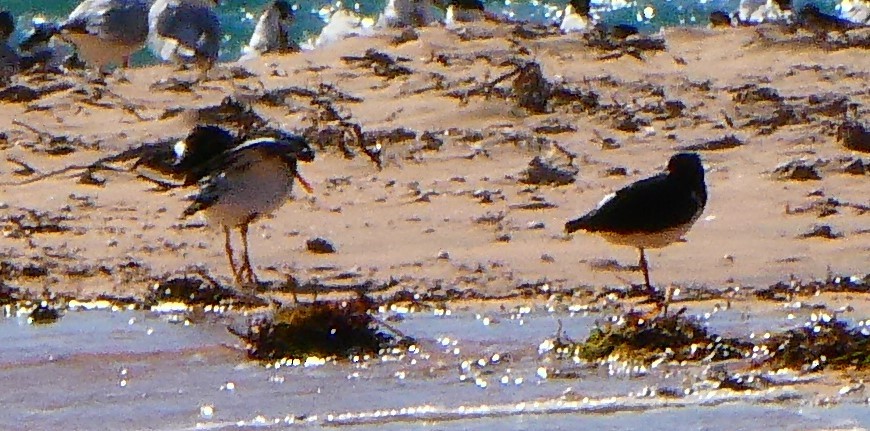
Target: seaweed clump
point(669, 337)
point(199, 289)
point(822, 342)
point(788, 290)
point(44, 313)
point(320, 329)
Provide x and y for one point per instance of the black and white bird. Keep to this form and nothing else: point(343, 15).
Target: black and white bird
point(185, 32)
point(753, 12)
point(272, 33)
point(577, 17)
point(106, 32)
point(653, 212)
point(239, 185)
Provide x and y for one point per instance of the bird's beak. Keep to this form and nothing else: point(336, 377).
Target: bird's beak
point(305, 184)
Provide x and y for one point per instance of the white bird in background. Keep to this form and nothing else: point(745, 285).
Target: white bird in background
point(576, 17)
point(272, 33)
point(407, 13)
point(106, 32)
point(185, 32)
point(857, 11)
point(9, 60)
point(341, 24)
point(759, 11)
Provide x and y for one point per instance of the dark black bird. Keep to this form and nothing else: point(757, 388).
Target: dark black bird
point(720, 18)
point(812, 19)
point(653, 212)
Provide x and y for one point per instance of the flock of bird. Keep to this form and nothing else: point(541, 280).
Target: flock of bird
point(243, 179)
point(107, 32)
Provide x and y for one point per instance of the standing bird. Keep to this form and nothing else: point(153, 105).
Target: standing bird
point(856, 11)
point(652, 212)
point(752, 12)
point(407, 13)
point(185, 32)
point(272, 33)
point(248, 181)
point(577, 17)
point(459, 11)
point(39, 51)
point(106, 32)
point(9, 59)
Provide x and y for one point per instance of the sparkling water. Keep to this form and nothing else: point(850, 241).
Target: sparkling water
point(239, 16)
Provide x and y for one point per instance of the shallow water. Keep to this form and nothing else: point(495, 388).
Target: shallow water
point(142, 370)
point(238, 17)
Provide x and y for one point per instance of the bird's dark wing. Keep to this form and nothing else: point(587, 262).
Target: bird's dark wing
point(649, 205)
point(211, 191)
point(194, 27)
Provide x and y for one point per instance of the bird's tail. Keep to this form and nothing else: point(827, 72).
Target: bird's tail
point(575, 225)
point(191, 210)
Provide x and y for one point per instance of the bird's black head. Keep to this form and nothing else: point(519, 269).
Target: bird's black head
point(686, 166)
point(202, 144)
point(285, 11)
point(296, 147)
point(581, 6)
point(7, 25)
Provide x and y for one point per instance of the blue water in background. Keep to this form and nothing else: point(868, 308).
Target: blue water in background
point(239, 17)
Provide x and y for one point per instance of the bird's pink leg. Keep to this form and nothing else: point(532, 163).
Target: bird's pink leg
point(228, 247)
point(246, 262)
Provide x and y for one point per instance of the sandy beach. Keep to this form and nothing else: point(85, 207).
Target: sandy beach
point(481, 163)
point(449, 207)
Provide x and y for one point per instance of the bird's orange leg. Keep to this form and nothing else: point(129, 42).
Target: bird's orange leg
point(246, 259)
point(228, 247)
point(644, 268)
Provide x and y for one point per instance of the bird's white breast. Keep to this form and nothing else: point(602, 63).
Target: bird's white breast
point(259, 190)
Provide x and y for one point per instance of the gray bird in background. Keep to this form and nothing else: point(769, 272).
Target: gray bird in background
point(185, 32)
point(272, 33)
point(107, 32)
point(9, 59)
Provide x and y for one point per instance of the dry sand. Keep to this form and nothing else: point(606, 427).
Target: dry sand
point(120, 237)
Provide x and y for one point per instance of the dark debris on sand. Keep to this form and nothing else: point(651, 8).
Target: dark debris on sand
point(787, 290)
point(29, 222)
point(381, 64)
point(822, 342)
point(797, 170)
point(854, 136)
point(724, 143)
point(231, 113)
point(198, 289)
point(634, 337)
point(545, 172)
point(323, 329)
